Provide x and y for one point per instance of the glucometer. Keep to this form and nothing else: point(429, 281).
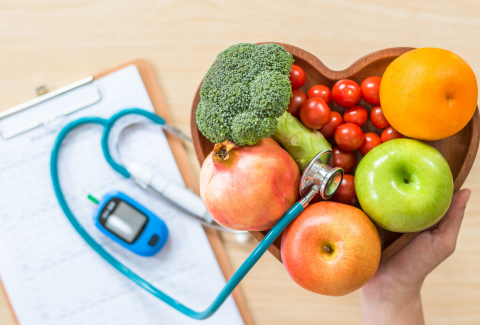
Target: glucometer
point(130, 224)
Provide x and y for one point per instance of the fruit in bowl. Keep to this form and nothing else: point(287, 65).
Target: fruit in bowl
point(331, 249)
point(428, 94)
point(249, 188)
point(404, 185)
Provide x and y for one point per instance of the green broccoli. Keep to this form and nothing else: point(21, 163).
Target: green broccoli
point(243, 92)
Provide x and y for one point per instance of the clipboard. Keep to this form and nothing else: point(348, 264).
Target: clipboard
point(184, 167)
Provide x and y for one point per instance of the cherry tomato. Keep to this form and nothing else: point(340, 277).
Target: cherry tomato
point(377, 117)
point(322, 92)
point(371, 90)
point(343, 159)
point(346, 93)
point(356, 115)
point(297, 77)
point(315, 113)
point(371, 141)
point(336, 120)
point(390, 134)
point(349, 136)
point(346, 191)
point(296, 102)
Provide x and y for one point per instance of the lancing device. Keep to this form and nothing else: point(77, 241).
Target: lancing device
point(181, 197)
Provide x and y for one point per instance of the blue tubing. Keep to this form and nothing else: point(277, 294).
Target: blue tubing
point(106, 133)
point(258, 252)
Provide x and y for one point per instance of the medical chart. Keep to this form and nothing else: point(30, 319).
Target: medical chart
point(50, 274)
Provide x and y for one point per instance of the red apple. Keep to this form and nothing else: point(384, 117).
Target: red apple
point(331, 248)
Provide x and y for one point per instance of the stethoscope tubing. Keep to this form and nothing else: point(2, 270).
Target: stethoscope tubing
point(234, 280)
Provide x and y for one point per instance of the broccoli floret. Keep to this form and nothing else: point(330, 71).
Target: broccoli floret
point(273, 57)
point(243, 92)
point(248, 128)
point(270, 93)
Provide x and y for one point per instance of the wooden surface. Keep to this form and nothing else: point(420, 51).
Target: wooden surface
point(58, 42)
point(459, 150)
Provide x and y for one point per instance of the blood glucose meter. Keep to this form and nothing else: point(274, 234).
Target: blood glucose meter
point(130, 224)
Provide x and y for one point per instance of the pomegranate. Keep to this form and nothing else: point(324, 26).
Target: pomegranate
point(249, 188)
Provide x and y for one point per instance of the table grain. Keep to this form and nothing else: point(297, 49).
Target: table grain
point(56, 42)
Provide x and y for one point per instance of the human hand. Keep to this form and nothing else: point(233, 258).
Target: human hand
point(393, 294)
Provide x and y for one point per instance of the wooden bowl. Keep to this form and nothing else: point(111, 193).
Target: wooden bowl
point(459, 149)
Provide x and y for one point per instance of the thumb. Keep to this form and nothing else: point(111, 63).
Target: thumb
point(445, 235)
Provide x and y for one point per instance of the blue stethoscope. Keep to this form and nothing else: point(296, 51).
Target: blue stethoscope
point(318, 177)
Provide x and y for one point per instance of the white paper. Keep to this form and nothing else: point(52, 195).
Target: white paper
point(50, 274)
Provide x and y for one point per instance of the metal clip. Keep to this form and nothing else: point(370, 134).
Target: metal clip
point(42, 90)
point(44, 97)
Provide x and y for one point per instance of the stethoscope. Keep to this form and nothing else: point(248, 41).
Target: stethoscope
point(318, 177)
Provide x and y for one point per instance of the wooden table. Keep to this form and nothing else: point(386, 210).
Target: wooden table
point(58, 42)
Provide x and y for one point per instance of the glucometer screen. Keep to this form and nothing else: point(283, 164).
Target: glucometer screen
point(126, 222)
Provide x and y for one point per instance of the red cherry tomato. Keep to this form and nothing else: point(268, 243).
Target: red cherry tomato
point(336, 120)
point(322, 92)
point(343, 159)
point(378, 119)
point(296, 102)
point(315, 113)
point(371, 141)
point(346, 93)
point(349, 136)
point(371, 90)
point(390, 134)
point(356, 115)
point(297, 77)
point(346, 191)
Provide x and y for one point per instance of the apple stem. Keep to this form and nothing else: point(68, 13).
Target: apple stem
point(327, 249)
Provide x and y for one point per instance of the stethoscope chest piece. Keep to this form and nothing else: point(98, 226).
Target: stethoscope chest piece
point(320, 173)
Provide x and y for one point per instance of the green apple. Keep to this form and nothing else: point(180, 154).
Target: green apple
point(404, 185)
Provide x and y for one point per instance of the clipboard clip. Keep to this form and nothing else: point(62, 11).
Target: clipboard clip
point(40, 99)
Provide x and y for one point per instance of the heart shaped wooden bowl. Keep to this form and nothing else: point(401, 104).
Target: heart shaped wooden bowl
point(459, 149)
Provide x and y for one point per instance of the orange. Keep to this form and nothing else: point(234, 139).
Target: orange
point(428, 93)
